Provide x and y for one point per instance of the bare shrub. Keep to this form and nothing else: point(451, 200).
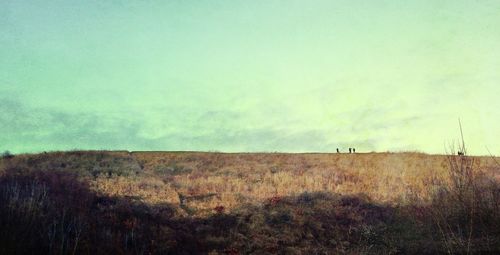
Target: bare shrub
point(42, 212)
point(465, 207)
point(6, 154)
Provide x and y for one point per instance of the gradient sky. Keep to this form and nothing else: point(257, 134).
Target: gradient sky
point(257, 75)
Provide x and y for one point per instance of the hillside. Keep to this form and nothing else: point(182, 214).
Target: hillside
point(195, 202)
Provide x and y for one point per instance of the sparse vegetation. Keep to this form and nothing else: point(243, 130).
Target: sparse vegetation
point(83, 163)
point(215, 203)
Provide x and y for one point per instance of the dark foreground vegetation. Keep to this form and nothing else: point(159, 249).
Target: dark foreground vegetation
point(47, 206)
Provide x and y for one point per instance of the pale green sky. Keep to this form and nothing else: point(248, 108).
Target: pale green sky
point(249, 75)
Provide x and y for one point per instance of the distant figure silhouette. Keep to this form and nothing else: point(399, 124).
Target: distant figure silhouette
point(460, 153)
point(338, 150)
point(350, 150)
point(353, 150)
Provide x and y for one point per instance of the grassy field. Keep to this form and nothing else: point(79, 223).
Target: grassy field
point(100, 202)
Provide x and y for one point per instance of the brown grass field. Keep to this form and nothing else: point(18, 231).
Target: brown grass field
point(83, 202)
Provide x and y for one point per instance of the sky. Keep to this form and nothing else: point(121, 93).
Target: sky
point(249, 76)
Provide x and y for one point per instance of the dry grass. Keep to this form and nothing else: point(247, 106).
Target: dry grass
point(208, 180)
point(148, 189)
point(164, 202)
point(395, 178)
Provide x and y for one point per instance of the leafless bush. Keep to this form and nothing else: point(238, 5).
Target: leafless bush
point(7, 155)
point(465, 207)
point(43, 210)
